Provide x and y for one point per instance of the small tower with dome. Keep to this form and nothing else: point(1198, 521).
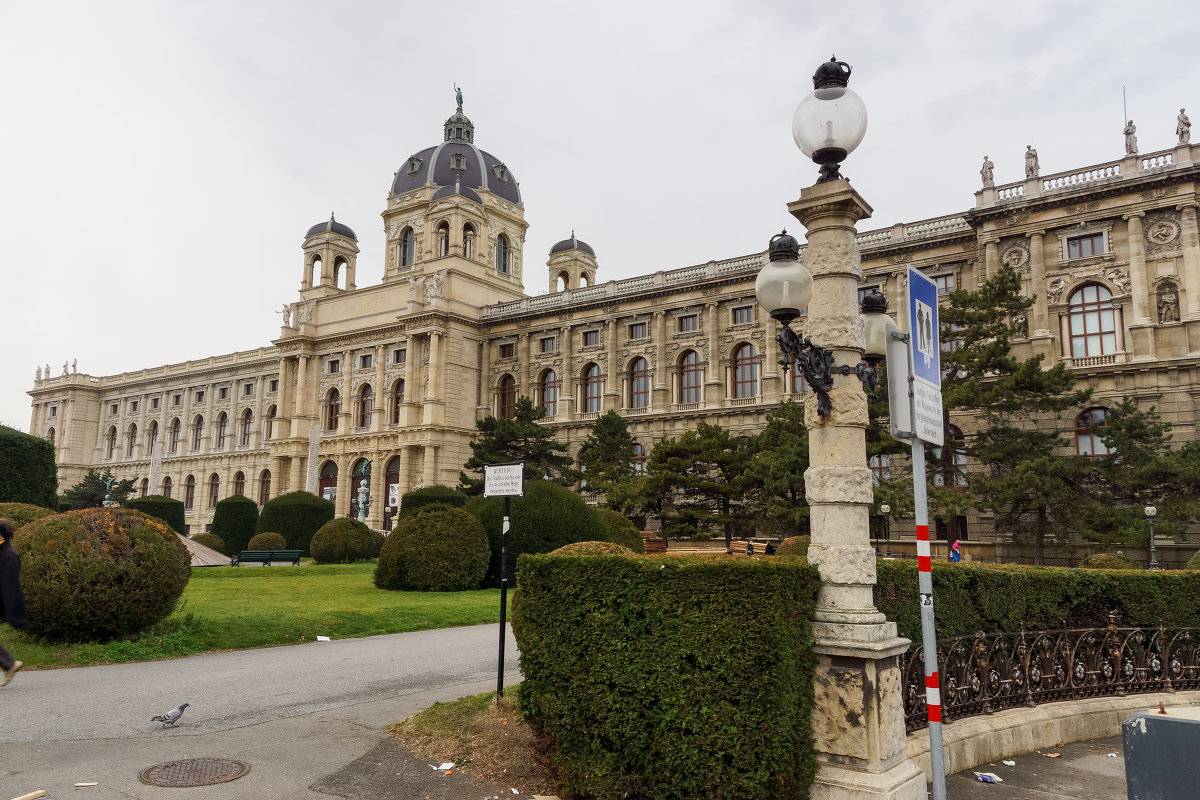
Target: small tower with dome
point(572, 264)
point(330, 252)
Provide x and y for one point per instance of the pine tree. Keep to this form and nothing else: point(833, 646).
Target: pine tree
point(778, 459)
point(90, 492)
point(521, 438)
point(606, 456)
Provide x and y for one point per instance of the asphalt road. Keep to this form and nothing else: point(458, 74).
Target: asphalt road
point(296, 714)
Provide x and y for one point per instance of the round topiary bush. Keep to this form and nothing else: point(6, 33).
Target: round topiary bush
point(1193, 562)
point(235, 520)
point(100, 573)
point(439, 551)
point(376, 543)
point(23, 513)
point(547, 517)
point(592, 549)
point(267, 541)
point(341, 541)
point(168, 509)
point(443, 496)
point(1108, 561)
point(211, 540)
point(621, 530)
point(297, 516)
point(794, 546)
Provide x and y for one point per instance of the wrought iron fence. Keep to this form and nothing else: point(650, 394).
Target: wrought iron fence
point(985, 673)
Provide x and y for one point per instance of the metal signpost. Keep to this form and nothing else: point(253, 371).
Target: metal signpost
point(915, 402)
point(507, 481)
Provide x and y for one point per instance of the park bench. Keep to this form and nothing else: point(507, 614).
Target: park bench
point(264, 557)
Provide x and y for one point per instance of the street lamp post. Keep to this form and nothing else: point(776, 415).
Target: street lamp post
point(858, 716)
point(886, 510)
point(1151, 513)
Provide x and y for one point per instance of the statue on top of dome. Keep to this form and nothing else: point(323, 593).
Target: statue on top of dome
point(458, 96)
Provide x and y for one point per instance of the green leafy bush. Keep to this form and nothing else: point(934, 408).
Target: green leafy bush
point(438, 551)
point(1193, 562)
point(296, 515)
point(23, 513)
point(621, 530)
point(266, 541)
point(235, 520)
point(794, 546)
point(444, 496)
point(341, 541)
point(1108, 561)
point(100, 573)
point(666, 677)
point(375, 543)
point(592, 549)
point(27, 470)
point(547, 517)
point(168, 509)
point(213, 541)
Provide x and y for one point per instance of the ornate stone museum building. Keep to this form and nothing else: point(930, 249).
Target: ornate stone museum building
point(397, 372)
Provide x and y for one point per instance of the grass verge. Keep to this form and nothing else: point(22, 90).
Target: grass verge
point(234, 608)
point(485, 739)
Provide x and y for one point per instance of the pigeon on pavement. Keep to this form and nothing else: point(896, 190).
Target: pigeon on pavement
point(171, 717)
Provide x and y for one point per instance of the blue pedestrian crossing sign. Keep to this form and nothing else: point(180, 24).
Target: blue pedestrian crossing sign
point(925, 357)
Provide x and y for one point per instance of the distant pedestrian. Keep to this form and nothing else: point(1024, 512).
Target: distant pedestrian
point(749, 547)
point(770, 549)
point(12, 602)
point(955, 556)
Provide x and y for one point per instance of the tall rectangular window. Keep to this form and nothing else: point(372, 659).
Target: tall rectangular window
point(334, 366)
point(546, 344)
point(364, 361)
point(399, 355)
point(637, 330)
point(273, 386)
point(222, 393)
point(944, 283)
point(1084, 246)
point(743, 315)
point(591, 338)
point(248, 389)
point(689, 323)
point(507, 350)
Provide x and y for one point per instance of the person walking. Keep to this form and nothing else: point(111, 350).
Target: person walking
point(749, 547)
point(12, 603)
point(955, 556)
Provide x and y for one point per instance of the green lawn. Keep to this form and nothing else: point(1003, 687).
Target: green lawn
point(231, 608)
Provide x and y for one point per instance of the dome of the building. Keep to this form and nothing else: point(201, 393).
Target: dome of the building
point(457, 162)
point(333, 226)
point(572, 244)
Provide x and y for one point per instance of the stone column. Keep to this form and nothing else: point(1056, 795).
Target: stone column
point(858, 715)
point(991, 257)
point(412, 356)
point(379, 414)
point(612, 383)
point(1039, 326)
point(773, 386)
point(484, 407)
point(567, 375)
point(433, 409)
point(1142, 327)
point(300, 401)
point(429, 472)
point(713, 394)
point(1190, 240)
point(378, 494)
point(345, 485)
point(660, 397)
point(347, 389)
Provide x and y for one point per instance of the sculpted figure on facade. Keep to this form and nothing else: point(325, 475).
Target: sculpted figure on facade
point(1168, 303)
point(1020, 325)
point(1183, 127)
point(433, 286)
point(1055, 289)
point(1130, 139)
point(47, 371)
point(985, 172)
point(38, 375)
point(286, 311)
point(414, 283)
point(66, 368)
point(1118, 277)
point(74, 369)
point(1031, 162)
point(305, 311)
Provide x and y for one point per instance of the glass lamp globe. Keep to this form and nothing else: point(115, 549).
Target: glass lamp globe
point(885, 509)
point(831, 121)
point(877, 326)
point(784, 286)
point(1151, 511)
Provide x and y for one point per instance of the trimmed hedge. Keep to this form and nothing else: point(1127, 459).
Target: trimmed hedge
point(27, 470)
point(1005, 597)
point(1108, 561)
point(168, 509)
point(794, 546)
point(621, 531)
point(1193, 562)
point(547, 517)
point(412, 502)
point(267, 541)
point(100, 573)
point(341, 541)
point(235, 520)
point(592, 549)
point(670, 677)
point(23, 513)
point(297, 516)
point(211, 540)
point(436, 551)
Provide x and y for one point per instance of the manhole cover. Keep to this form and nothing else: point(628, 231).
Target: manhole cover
point(193, 772)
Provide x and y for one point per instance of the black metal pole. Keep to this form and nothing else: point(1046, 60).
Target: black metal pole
point(503, 597)
point(887, 533)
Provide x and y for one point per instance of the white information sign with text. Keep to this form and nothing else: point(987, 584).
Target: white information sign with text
point(504, 480)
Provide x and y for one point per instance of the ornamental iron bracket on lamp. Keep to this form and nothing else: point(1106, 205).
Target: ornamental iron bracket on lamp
point(783, 288)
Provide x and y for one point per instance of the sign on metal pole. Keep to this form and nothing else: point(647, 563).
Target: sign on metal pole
point(507, 481)
point(925, 358)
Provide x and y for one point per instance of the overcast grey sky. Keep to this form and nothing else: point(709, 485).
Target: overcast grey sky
point(161, 161)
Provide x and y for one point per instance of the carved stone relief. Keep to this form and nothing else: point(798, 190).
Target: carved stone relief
point(1015, 253)
point(1167, 302)
point(1118, 276)
point(1162, 232)
point(1055, 289)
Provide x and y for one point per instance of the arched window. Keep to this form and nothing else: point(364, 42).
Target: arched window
point(239, 483)
point(222, 429)
point(214, 489)
point(197, 431)
point(333, 407)
point(881, 468)
point(639, 459)
point(270, 426)
point(745, 372)
point(639, 383)
point(189, 492)
point(1092, 321)
point(339, 264)
point(690, 379)
point(468, 241)
point(397, 401)
point(244, 433)
point(506, 397)
point(315, 270)
point(166, 486)
point(563, 281)
point(1088, 443)
point(328, 481)
point(593, 389)
point(131, 439)
point(366, 404)
point(110, 443)
point(502, 257)
point(408, 248)
point(585, 279)
point(173, 437)
point(145, 487)
point(264, 487)
point(151, 438)
point(547, 392)
point(50, 436)
point(443, 239)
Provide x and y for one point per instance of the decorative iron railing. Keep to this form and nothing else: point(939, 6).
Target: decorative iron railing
point(985, 673)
